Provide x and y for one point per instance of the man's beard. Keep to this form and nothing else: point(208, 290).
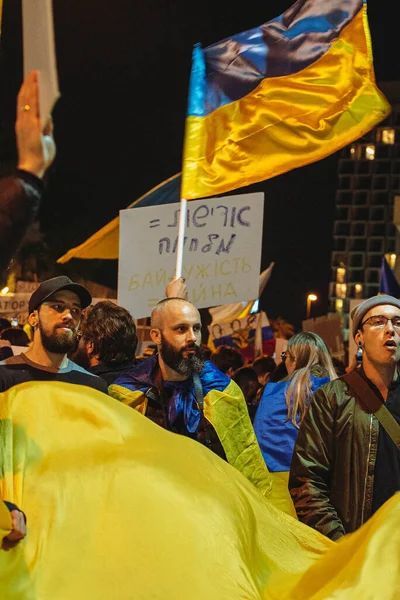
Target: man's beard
point(58, 342)
point(194, 363)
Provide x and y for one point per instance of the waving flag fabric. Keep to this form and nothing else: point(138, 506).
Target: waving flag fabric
point(279, 96)
point(104, 244)
point(388, 283)
point(252, 335)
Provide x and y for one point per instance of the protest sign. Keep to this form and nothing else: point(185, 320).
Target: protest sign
point(14, 307)
point(26, 287)
point(242, 334)
point(329, 328)
point(39, 51)
point(221, 259)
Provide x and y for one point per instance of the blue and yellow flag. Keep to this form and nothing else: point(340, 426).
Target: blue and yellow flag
point(119, 509)
point(388, 283)
point(279, 96)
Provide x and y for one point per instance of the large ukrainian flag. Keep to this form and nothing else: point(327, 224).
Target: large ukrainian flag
point(279, 96)
point(120, 509)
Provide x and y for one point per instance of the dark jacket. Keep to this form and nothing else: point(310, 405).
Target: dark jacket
point(275, 433)
point(19, 202)
point(332, 471)
point(111, 372)
point(215, 415)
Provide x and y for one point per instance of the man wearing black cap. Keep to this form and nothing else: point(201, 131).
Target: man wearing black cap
point(345, 464)
point(55, 311)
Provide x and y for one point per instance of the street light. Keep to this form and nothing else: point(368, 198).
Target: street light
point(310, 298)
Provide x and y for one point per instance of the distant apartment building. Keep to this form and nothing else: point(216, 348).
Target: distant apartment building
point(367, 211)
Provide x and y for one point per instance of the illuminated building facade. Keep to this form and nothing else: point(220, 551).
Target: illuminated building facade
point(367, 219)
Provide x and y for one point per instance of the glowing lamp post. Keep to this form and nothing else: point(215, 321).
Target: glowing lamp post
point(310, 298)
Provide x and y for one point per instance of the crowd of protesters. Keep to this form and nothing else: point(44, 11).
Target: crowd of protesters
point(286, 415)
point(300, 416)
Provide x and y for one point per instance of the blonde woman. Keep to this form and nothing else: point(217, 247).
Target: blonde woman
point(284, 403)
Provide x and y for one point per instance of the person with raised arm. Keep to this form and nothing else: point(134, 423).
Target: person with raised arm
point(21, 192)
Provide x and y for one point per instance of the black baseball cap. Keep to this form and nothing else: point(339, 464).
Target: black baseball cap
point(55, 284)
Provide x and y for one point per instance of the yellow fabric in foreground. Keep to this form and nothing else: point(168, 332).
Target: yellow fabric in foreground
point(5, 520)
point(227, 412)
point(286, 122)
point(120, 509)
point(280, 492)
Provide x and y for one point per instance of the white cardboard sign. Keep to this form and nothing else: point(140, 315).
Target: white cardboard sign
point(39, 51)
point(15, 306)
point(221, 257)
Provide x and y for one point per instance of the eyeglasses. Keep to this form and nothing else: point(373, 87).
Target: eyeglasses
point(284, 355)
point(380, 321)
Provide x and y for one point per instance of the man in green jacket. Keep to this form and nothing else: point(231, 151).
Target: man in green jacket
point(345, 465)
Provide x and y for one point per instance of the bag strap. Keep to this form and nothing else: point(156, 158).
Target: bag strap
point(198, 390)
point(157, 395)
point(368, 397)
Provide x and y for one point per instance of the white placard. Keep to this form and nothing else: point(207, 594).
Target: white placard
point(39, 51)
point(15, 306)
point(26, 287)
point(221, 258)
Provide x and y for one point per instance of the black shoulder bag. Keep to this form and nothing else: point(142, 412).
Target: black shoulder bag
point(374, 405)
point(198, 390)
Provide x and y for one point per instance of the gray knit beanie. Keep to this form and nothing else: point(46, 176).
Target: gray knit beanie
point(358, 313)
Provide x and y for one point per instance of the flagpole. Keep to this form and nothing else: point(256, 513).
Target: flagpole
point(195, 96)
point(181, 238)
point(258, 349)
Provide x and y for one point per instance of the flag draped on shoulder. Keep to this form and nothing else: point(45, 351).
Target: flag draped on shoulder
point(279, 96)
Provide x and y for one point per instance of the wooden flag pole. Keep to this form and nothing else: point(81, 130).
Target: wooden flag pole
point(181, 238)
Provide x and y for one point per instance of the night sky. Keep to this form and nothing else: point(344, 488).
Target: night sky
point(124, 70)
